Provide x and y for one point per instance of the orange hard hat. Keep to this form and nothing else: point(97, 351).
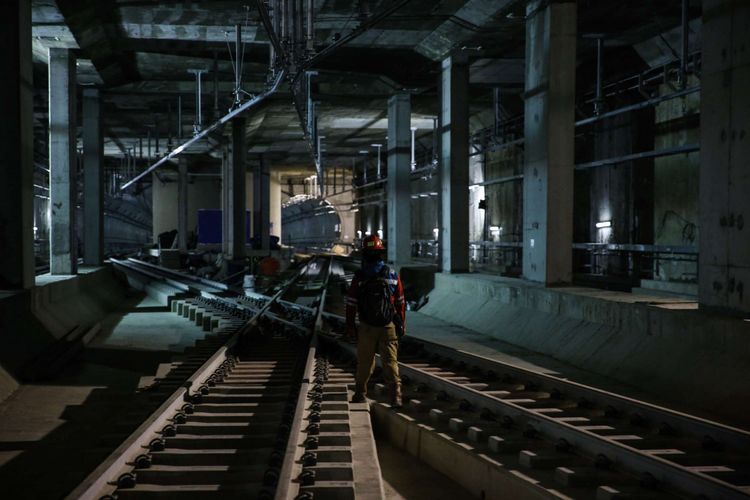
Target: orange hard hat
point(372, 244)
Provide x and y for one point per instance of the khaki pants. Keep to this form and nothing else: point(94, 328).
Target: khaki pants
point(374, 339)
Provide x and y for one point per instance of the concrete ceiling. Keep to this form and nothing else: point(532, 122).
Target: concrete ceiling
point(139, 54)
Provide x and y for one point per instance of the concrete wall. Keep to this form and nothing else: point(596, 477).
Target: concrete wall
point(676, 182)
point(677, 354)
point(32, 320)
point(203, 193)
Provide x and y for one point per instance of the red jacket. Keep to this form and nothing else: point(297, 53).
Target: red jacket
point(397, 298)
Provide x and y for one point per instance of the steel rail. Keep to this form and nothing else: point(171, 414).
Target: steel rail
point(202, 282)
point(628, 458)
point(729, 436)
point(119, 461)
point(179, 286)
point(215, 126)
point(291, 466)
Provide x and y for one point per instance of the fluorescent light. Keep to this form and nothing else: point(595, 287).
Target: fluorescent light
point(434, 193)
point(604, 223)
point(494, 229)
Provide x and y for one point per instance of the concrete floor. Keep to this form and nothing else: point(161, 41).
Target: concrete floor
point(147, 326)
point(53, 434)
point(406, 478)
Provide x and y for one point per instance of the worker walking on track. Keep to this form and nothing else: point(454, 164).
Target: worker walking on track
point(376, 293)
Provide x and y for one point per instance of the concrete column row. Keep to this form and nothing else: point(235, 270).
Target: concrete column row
point(399, 179)
point(233, 193)
point(724, 272)
point(17, 137)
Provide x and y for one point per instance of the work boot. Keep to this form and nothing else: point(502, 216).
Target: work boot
point(396, 396)
point(358, 398)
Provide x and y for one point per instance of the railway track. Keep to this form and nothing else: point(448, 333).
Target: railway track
point(270, 418)
point(225, 429)
point(575, 440)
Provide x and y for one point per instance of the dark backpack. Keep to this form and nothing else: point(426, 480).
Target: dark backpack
point(374, 299)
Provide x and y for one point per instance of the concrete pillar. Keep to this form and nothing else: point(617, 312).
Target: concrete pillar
point(182, 204)
point(549, 148)
point(454, 161)
point(262, 203)
point(93, 180)
point(234, 193)
point(724, 267)
point(62, 161)
point(275, 202)
point(399, 182)
point(17, 145)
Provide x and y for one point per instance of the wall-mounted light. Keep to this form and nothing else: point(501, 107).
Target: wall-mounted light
point(603, 223)
point(380, 234)
point(495, 229)
point(436, 233)
point(359, 234)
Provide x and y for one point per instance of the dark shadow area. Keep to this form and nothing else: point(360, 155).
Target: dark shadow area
point(55, 444)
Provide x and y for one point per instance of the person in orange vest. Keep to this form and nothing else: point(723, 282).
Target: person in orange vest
point(377, 296)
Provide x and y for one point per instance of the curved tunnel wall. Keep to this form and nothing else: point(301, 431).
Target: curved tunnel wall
point(310, 223)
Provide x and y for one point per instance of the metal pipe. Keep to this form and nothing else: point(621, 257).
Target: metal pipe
point(496, 104)
point(659, 153)
point(379, 146)
point(169, 125)
point(198, 124)
point(300, 18)
point(156, 136)
point(219, 123)
point(216, 84)
point(238, 65)
point(320, 165)
point(599, 101)
point(310, 26)
point(413, 147)
point(641, 105)
point(287, 4)
point(685, 44)
point(435, 153)
point(500, 180)
point(179, 118)
point(200, 103)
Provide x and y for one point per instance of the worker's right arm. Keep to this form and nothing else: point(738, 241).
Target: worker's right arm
point(351, 308)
